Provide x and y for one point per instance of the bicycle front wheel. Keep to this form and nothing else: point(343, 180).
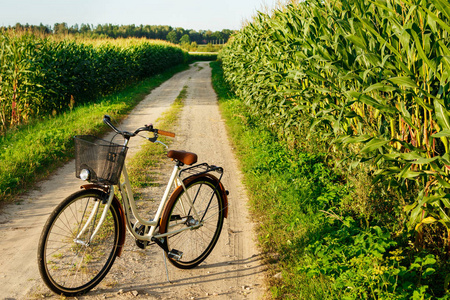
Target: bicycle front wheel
point(71, 262)
point(199, 207)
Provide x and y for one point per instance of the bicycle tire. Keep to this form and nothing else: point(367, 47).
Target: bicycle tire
point(68, 265)
point(195, 244)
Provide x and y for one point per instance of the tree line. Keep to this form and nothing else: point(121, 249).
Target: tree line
point(176, 35)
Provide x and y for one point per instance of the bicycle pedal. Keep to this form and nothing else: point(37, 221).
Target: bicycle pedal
point(175, 254)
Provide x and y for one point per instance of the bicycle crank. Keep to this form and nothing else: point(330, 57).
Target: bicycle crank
point(141, 230)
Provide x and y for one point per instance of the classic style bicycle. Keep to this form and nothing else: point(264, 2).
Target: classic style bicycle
point(86, 232)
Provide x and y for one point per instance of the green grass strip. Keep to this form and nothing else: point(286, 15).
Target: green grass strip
point(152, 154)
point(286, 192)
point(32, 152)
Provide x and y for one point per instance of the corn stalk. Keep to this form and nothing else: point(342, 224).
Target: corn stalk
point(41, 76)
point(371, 72)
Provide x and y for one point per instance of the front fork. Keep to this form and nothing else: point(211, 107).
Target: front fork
point(91, 218)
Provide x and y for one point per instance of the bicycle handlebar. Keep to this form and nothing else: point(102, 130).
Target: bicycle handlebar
point(107, 121)
point(127, 135)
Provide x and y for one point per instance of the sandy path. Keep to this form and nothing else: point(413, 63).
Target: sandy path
point(232, 271)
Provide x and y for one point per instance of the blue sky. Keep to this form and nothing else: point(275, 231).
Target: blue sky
point(189, 14)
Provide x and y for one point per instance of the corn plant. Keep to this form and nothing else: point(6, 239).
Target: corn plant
point(15, 95)
point(372, 73)
point(41, 76)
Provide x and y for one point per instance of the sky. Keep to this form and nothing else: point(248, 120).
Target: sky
point(212, 15)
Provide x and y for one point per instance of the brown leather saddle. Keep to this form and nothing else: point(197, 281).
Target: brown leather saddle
point(187, 158)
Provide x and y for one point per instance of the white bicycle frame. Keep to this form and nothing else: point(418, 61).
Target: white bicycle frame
point(130, 207)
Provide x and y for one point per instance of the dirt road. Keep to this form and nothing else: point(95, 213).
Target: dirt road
point(232, 271)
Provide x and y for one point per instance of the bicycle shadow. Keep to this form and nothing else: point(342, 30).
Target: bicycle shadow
point(237, 269)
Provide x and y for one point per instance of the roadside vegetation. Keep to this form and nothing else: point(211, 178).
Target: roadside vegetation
point(43, 76)
point(339, 112)
point(345, 111)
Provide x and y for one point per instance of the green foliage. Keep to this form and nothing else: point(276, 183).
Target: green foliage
point(185, 39)
point(202, 57)
point(193, 46)
point(372, 75)
point(172, 37)
point(43, 76)
point(308, 227)
point(368, 264)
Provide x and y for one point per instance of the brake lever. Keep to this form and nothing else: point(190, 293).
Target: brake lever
point(167, 147)
point(153, 139)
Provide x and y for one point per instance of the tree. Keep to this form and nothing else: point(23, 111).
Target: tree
point(172, 37)
point(60, 28)
point(208, 35)
point(185, 39)
point(195, 36)
point(193, 47)
point(85, 28)
point(217, 35)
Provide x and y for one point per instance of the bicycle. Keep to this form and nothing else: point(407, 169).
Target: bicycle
point(86, 231)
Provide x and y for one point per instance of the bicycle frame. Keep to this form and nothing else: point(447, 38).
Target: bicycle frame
point(130, 208)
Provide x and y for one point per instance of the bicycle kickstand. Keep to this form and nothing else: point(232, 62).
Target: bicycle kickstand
point(164, 247)
point(165, 264)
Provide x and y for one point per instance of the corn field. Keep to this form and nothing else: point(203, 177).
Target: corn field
point(373, 73)
point(41, 76)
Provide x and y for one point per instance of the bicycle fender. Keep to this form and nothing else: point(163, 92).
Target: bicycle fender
point(116, 203)
point(91, 186)
point(123, 226)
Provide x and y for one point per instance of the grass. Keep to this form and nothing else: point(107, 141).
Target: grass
point(281, 188)
point(152, 154)
point(202, 56)
point(282, 195)
point(31, 152)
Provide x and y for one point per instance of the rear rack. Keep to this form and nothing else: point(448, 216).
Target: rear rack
point(201, 169)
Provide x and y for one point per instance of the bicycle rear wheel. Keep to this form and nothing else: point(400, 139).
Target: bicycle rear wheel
point(189, 248)
point(69, 262)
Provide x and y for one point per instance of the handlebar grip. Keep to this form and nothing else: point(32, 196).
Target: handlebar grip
point(166, 133)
